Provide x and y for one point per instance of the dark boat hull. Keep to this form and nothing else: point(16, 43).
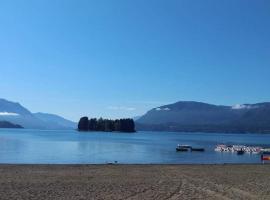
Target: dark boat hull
point(182, 149)
point(198, 149)
point(240, 152)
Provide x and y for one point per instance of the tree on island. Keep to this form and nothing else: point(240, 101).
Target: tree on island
point(83, 124)
point(106, 125)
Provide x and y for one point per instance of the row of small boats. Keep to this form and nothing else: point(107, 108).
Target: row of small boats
point(241, 149)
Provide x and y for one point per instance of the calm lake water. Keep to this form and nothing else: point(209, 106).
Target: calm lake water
point(72, 147)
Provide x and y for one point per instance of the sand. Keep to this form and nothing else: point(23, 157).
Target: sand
point(135, 182)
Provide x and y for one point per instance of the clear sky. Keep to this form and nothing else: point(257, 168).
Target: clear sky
point(119, 58)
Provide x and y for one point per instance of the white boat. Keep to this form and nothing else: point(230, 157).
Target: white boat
point(265, 150)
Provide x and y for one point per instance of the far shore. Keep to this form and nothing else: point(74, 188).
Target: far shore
point(224, 181)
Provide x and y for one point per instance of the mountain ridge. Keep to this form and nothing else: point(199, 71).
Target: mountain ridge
point(53, 118)
point(15, 113)
point(193, 116)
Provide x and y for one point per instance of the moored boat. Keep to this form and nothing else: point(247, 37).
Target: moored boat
point(181, 149)
point(240, 152)
point(265, 150)
point(184, 146)
point(198, 149)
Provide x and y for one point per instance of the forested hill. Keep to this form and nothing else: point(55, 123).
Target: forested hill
point(5, 124)
point(106, 125)
point(189, 116)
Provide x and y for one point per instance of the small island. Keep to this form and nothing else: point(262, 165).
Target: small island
point(106, 125)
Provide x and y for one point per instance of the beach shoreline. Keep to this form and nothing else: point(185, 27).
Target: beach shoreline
point(221, 181)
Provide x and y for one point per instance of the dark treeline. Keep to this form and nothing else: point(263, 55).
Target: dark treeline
point(5, 124)
point(107, 125)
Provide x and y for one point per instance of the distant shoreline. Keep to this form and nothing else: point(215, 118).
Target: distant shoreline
point(137, 131)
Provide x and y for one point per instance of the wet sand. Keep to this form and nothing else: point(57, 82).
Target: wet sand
point(135, 182)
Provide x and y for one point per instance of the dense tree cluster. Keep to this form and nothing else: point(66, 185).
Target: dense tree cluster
point(107, 125)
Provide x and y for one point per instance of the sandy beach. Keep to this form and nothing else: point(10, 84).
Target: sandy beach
point(135, 182)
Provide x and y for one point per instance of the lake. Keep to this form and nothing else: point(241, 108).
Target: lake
point(72, 147)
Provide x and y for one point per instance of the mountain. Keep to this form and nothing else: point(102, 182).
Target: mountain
point(56, 120)
point(136, 118)
point(12, 107)
point(17, 114)
point(5, 124)
point(193, 116)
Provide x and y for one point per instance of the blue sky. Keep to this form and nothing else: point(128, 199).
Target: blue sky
point(119, 58)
